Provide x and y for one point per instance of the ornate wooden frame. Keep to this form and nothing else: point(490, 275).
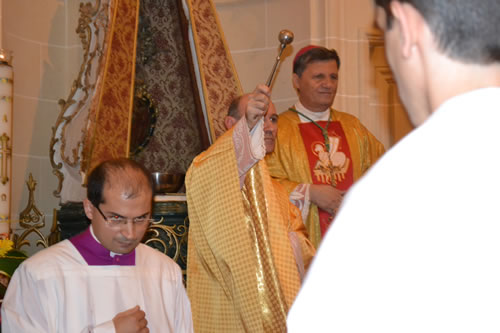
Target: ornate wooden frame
point(65, 156)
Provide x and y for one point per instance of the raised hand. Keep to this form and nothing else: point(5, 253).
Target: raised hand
point(258, 103)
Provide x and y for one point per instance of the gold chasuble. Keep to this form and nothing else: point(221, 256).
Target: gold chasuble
point(242, 273)
point(302, 156)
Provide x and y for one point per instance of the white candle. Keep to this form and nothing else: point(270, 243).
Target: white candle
point(6, 85)
point(5, 98)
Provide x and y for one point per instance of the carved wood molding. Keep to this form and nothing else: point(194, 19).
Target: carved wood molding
point(382, 73)
point(67, 133)
point(398, 122)
point(375, 40)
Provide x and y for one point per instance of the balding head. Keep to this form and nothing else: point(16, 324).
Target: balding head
point(236, 110)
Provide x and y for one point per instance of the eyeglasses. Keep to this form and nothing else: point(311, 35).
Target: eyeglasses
point(118, 221)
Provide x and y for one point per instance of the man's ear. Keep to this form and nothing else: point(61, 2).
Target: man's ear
point(229, 122)
point(296, 81)
point(406, 21)
point(87, 207)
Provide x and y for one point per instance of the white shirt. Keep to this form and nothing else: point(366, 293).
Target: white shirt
point(56, 291)
point(416, 244)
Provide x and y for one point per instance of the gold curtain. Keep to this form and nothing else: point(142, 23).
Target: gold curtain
point(108, 133)
point(219, 80)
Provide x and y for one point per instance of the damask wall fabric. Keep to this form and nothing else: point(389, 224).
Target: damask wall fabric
point(163, 67)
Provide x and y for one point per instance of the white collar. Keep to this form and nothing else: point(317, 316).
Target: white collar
point(316, 116)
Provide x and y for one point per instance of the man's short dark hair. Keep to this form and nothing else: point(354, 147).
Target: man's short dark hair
point(102, 173)
point(233, 108)
point(465, 30)
point(313, 55)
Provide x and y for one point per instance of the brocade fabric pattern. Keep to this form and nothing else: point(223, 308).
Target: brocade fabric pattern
point(110, 116)
point(219, 78)
point(166, 74)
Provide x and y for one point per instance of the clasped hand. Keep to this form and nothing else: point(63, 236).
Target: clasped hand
point(326, 197)
point(131, 321)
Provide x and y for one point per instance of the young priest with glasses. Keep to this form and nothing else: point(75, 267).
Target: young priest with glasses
point(104, 279)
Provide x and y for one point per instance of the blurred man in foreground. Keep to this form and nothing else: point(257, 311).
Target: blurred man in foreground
point(415, 245)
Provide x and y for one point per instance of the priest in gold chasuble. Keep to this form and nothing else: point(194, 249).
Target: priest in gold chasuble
point(242, 270)
point(320, 151)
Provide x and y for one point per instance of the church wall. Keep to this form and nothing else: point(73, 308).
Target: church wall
point(46, 59)
point(252, 27)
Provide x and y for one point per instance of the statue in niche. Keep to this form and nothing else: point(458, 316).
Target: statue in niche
point(96, 121)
